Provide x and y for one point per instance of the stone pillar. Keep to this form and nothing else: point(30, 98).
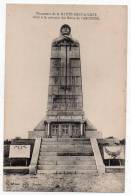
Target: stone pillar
point(48, 129)
point(70, 130)
point(59, 130)
point(81, 129)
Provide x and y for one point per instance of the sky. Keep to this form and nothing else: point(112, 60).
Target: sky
point(103, 64)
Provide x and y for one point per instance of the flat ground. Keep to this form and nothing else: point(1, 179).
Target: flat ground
point(109, 182)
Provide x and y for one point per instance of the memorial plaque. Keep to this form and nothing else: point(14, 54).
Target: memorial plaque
point(19, 151)
point(116, 152)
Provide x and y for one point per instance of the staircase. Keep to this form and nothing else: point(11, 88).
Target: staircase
point(66, 155)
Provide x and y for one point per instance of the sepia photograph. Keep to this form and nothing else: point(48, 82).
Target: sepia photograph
point(65, 98)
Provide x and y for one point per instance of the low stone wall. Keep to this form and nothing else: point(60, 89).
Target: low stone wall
point(114, 169)
point(18, 169)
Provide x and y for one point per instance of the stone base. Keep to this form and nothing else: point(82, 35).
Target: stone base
point(42, 133)
point(93, 134)
point(36, 134)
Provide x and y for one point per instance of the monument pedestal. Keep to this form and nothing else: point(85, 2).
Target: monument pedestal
point(56, 153)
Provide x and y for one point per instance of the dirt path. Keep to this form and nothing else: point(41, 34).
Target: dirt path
point(109, 182)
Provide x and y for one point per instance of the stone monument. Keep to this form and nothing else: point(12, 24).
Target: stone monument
point(65, 123)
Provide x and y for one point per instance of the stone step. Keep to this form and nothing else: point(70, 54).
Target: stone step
point(67, 153)
point(48, 153)
point(66, 148)
point(67, 167)
point(67, 158)
point(89, 172)
point(59, 150)
point(66, 162)
point(65, 143)
point(64, 139)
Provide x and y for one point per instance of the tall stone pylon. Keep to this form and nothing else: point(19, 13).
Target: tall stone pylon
point(65, 99)
point(65, 115)
point(65, 82)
